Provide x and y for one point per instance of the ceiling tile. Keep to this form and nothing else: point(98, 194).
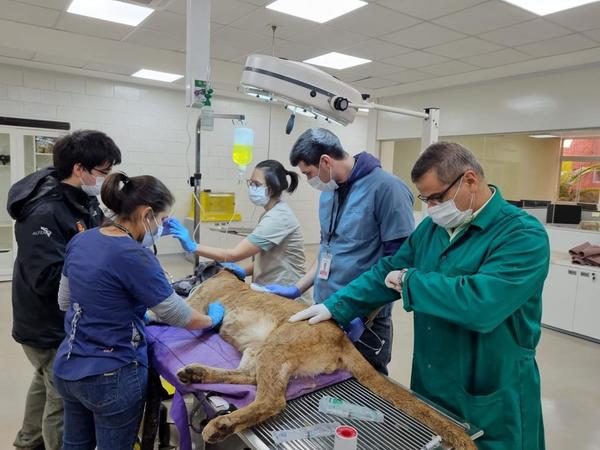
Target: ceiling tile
point(376, 49)
point(178, 6)
point(422, 35)
point(448, 68)
point(259, 2)
point(333, 38)
point(16, 53)
point(227, 11)
point(53, 4)
point(408, 76)
point(485, 17)
point(565, 44)
point(158, 39)
point(506, 56)
point(415, 59)
point(464, 47)
point(241, 39)
point(428, 9)
point(373, 69)
point(165, 21)
point(59, 60)
point(293, 50)
point(582, 18)
point(225, 52)
point(374, 83)
point(110, 68)
point(260, 21)
point(526, 32)
point(373, 20)
point(594, 34)
point(25, 13)
point(92, 27)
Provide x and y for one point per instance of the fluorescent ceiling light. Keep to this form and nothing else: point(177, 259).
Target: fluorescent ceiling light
point(335, 60)
point(319, 11)
point(111, 10)
point(363, 110)
point(542, 136)
point(567, 143)
point(154, 75)
point(543, 7)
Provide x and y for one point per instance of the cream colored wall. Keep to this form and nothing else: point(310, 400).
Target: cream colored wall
point(522, 167)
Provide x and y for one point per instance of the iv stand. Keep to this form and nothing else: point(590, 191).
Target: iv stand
point(197, 177)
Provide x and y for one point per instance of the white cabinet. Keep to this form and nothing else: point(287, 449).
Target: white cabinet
point(587, 304)
point(22, 151)
point(571, 299)
point(559, 297)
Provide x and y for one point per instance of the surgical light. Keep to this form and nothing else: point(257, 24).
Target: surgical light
point(320, 11)
point(110, 10)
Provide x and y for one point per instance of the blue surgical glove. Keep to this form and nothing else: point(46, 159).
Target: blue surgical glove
point(355, 329)
point(238, 271)
point(215, 311)
point(179, 231)
point(285, 291)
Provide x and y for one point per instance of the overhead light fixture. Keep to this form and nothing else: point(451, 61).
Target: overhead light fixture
point(567, 143)
point(320, 11)
point(110, 10)
point(365, 110)
point(155, 75)
point(542, 8)
point(335, 60)
point(542, 136)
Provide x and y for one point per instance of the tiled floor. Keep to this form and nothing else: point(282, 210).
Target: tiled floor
point(570, 369)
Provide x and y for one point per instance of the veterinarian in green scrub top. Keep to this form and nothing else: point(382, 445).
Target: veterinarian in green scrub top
point(472, 273)
point(276, 242)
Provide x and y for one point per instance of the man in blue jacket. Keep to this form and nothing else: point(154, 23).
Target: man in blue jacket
point(51, 206)
point(365, 214)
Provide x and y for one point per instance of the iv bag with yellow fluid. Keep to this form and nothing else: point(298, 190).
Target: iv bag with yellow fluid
point(243, 143)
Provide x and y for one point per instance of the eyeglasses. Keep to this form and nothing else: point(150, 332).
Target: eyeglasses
point(253, 183)
point(439, 197)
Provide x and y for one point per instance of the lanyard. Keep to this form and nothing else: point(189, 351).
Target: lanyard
point(333, 223)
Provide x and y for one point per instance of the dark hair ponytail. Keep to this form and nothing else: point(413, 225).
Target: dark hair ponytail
point(123, 195)
point(276, 177)
point(293, 181)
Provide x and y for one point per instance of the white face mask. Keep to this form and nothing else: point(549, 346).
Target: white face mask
point(94, 189)
point(447, 215)
point(316, 182)
point(258, 195)
point(150, 238)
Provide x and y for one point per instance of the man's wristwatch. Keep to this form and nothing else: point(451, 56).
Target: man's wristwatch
point(401, 276)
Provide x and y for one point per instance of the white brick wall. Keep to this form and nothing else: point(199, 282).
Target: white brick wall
point(149, 125)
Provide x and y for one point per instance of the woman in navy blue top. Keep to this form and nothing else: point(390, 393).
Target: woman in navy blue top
point(110, 278)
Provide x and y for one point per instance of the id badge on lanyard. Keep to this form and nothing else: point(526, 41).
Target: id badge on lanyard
point(325, 264)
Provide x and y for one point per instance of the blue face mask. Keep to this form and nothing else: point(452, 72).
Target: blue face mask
point(258, 195)
point(150, 238)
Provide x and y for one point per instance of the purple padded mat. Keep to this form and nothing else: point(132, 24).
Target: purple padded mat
point(170, 348)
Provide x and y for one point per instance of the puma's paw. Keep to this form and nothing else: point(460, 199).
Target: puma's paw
point(218, 429)
point(192, 373)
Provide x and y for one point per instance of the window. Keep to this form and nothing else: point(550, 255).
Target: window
point(580, 170)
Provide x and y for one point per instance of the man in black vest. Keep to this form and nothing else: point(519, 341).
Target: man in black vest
point(51, 206)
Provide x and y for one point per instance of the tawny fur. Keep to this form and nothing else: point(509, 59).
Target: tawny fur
point(275, 350)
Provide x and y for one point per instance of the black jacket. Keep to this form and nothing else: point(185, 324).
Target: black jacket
point(48, 214)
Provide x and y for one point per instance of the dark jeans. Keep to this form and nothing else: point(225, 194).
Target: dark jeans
point(104, 410)
point(383, 329)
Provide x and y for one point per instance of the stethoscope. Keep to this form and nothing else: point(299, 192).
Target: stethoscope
point(376, 350)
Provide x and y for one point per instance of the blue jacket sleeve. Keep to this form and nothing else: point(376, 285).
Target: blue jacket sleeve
point(368, 292)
